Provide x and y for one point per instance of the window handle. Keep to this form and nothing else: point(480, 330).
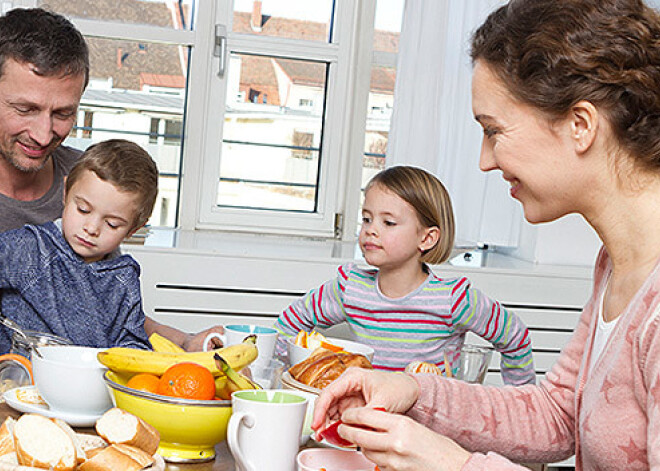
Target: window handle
point(220, 48)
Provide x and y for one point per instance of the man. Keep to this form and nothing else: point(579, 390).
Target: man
point(44, 69)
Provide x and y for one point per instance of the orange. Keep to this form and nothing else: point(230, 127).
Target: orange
point(188, 380)
point(332, 347)
point(144, 382)
point(301, 339)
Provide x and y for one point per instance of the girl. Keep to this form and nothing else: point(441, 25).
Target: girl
point(401, 308)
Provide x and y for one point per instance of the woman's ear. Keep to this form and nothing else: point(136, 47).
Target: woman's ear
point(584, 120)
point(430, 238)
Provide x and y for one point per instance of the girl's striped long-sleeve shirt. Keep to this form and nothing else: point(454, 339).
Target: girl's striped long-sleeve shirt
point(422, 325)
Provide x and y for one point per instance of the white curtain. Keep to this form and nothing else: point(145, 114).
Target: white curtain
point(432, 125)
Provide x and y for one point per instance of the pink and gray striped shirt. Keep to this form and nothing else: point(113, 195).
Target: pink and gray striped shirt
point(422, 325)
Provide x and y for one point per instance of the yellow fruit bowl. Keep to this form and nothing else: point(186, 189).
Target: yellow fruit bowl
point(189, 429)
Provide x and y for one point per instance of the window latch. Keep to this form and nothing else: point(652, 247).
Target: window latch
point(220, 48)
point(339, 225)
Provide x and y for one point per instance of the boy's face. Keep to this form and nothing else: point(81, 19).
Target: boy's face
point(97, 217)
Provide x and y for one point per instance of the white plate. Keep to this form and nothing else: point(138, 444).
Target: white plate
point(289, 383)
point(74, 419)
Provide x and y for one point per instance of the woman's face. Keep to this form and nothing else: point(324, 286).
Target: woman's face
point(533, 154)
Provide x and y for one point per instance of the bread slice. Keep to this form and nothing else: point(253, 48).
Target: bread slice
point(121, 427)
point(42, 443)
point(7, 436)
point(116, 457)
point(80, 453)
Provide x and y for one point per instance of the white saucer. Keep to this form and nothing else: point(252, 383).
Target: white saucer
point(74, 419)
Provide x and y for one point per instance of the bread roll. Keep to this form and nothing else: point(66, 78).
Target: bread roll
point(121, 427)
point(40, 442)
point(116, 457)
point(323, 366)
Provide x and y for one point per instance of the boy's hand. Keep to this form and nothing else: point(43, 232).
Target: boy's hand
point(195, 342)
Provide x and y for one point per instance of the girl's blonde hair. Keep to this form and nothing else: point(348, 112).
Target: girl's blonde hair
point(428, 196)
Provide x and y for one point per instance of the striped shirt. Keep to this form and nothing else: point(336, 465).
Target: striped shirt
point(422, 325)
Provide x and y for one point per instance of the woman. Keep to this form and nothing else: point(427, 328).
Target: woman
point(568, 95)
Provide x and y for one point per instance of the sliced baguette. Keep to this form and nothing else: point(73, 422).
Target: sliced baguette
point(80, 453)
point(7, 436)
point(121, 427)
point(116, 457)
point(40, 442)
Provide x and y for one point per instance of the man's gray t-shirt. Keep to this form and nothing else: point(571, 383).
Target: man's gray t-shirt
point(15, 213)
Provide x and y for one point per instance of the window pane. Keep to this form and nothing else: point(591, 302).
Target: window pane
point(272, 133)
point(169, 14)
point(294, 19)
point(387, 25)
point(379, 115)
point(137, 92)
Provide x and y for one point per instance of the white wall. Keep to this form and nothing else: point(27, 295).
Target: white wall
point(567, 241)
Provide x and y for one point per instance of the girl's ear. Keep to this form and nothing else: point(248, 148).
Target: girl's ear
point(430, 238)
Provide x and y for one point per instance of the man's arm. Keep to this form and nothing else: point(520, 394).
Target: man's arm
point(187, 341)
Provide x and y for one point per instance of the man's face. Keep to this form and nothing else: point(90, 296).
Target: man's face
point(36, 114)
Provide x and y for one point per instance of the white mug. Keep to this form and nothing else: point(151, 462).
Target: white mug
point(264, 429)
point(235, 333)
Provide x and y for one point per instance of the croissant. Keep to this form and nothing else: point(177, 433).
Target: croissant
point(323, 366)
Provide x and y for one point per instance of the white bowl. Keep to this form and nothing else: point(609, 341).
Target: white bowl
point(70, 379)
point(313, 459)
point(298, 354)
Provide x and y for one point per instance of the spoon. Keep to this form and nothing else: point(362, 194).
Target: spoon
point(7, 322)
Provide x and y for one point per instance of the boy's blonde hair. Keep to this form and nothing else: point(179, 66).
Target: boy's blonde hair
point(428, 196)
point(127, 166)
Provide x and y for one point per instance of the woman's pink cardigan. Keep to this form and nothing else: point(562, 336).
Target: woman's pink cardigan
point(608, 417)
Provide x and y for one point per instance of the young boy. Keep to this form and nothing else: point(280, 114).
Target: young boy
point(68, 277)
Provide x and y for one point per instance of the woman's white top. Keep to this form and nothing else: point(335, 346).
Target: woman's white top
point(603, 331)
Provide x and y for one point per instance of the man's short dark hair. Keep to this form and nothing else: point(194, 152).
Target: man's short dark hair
point(44, 39)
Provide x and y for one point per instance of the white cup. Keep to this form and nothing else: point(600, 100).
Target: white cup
point(309, 414)
point(265, 428)
point(235, 333)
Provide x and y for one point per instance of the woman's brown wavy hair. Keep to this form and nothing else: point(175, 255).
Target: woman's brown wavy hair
point(551, 54)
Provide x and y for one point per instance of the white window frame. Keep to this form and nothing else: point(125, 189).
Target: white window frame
point(348, 91)
point(341, 79)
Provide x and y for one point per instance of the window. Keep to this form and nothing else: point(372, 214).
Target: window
point(262, 100)
point(380, 105)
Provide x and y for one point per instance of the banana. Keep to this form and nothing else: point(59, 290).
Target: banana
point(162, 344)
point(221, 387)
point(130, 360)
point(235, 380)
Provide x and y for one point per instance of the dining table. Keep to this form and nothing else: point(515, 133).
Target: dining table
point(223, 459)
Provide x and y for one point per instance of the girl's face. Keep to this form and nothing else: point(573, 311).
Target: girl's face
point(97, 217)
point(533, 154)
point(391, 235)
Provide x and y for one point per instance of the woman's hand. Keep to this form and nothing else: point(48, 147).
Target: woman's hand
point(357, 387)
point(397, 442)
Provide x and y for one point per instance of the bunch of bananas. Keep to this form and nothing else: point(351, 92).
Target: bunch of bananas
point(130, 361)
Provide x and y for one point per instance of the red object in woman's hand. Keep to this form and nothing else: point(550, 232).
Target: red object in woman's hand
point(331, 435)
